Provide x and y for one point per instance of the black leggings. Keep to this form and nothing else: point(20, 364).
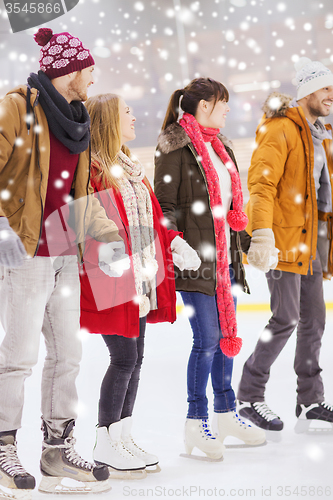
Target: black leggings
point(120, 383)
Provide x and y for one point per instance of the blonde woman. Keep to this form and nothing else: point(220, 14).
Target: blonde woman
point(119, 308)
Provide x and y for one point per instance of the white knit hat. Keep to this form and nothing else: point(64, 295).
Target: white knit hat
point(311, 76)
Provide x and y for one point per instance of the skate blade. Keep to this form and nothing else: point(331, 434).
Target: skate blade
point(304, 427)
point(15, 494)
point(127, 474)
point(199, 457)
point(150, 469)
point(274, 436)
point(51, 484)
point(244, 445)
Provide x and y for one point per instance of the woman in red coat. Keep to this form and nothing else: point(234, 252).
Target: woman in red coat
point(119, 306)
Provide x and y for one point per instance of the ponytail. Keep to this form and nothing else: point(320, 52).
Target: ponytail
point(173, 109)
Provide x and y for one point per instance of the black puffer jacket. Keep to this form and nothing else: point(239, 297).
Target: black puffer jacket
point(180, 181)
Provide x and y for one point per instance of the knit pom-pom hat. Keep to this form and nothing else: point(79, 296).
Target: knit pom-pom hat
point(61, 53)
point(311, 76)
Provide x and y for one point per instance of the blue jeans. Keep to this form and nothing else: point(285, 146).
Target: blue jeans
point(207, 358)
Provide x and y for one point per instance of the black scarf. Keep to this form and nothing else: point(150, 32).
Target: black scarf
point(69, 122)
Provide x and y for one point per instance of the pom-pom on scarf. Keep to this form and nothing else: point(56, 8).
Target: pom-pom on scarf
point(236, 218)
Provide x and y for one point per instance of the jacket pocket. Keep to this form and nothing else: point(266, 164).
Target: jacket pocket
point(290, 238)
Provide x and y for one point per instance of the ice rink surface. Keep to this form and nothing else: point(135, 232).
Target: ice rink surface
point(298, 466)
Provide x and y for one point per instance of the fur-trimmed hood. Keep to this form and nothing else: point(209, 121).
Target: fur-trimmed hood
point(174, 137)
point(276, 105)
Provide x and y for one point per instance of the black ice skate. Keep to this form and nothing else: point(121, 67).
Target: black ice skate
point(261, 415)
point(309, 413)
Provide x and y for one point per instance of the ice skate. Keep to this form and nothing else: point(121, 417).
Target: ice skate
point(15, 480)
point(307, 414)
point(229, 424)
point(60, 460)
point(261, 415)
point(109, 450)
point(150, 460)
point(198, 434)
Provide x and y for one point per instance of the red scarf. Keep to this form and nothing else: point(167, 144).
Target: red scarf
point(236, 218)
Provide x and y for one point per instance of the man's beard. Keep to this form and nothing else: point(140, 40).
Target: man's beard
point(78, 93)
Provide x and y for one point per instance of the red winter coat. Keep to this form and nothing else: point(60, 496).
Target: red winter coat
point(107, 305)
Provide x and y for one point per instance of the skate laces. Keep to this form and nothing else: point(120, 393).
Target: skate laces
point(264, 411)
point(9, 460)
point(327, 406)
point(206, 429)
point(122, 450)
point(71, 454)
point(133, 444)
point(240, 421)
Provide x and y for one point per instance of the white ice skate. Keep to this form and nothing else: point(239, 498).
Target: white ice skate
point(229, 424)
point(199, 435)
point(60, 460)
point(15, 482)
point(309, 416)
point(110, 450)
point(150, 460)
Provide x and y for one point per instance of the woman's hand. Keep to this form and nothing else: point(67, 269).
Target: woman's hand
point(184, 256)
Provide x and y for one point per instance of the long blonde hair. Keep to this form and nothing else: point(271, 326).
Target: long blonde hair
point(105, 136)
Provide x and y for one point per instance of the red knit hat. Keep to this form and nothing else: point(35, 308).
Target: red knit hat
point(61, 53)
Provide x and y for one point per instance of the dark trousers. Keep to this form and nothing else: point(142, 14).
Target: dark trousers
point(120, 383)
point(295, 301)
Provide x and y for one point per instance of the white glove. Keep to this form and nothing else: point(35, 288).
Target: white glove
point(262, 253)
point(112, 259)
point(12, 251)
point(183, 255)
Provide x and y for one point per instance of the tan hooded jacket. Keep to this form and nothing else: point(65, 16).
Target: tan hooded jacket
point(24, 170)
point(282, 188)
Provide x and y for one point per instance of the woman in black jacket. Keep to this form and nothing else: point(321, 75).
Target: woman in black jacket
point(198, 187)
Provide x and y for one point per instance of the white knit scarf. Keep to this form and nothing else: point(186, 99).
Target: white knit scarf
point(139, 211)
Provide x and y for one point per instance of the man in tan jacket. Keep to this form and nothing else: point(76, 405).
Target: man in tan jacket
point(44, 163)
point(290, 185)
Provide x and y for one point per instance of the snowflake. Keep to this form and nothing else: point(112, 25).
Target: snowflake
point(83, 55)
point(274, 103)
point(5, 194)
point(38, 129)
point(56, 49)
point(218, 211)
point(62, 39)
point(19, 141)
point(207, 251)
point(167, 178)
point(66, 291)
point(58, 183)
point(61, 63)
point(266, 335)
point(65, 174)
point(189, 311)
point(47, 60)
point(74, 42)
point(117, 171)
point(69, 52)
point(198, 207)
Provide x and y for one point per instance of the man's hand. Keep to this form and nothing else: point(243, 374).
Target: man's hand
point(262, 253)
